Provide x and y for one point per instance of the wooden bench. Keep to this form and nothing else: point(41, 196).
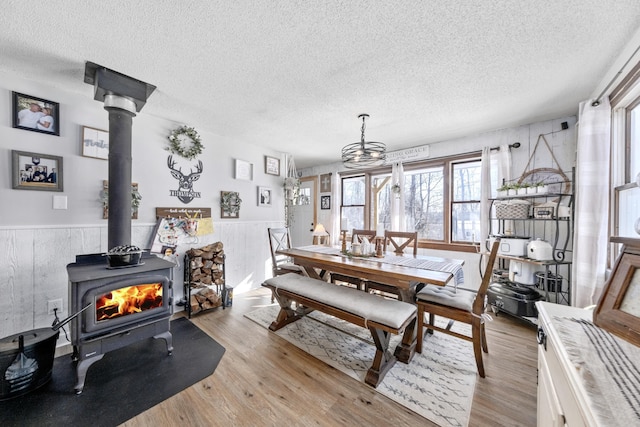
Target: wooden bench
point(381, 316)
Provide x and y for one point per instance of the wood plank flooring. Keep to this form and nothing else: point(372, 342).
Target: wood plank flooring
point(263, 380)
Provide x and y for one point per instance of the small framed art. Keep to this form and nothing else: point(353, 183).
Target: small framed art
point(271, 165)
point(230, 204)
point(33, 171)
point(325, 183)
point(244, 170)
point(95, 143)
point(325, 202)
point(264, 196)
point(36, 114)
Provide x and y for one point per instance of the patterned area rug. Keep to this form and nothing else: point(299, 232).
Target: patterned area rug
point(437, 384)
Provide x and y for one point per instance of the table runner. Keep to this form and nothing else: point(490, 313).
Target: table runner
point(608, 367)
point(447, 266)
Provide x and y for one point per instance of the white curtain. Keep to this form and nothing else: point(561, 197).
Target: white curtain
point(496, 167)
point(336, 201)
point(485, 194)
point(592, 187)
point(397, 199)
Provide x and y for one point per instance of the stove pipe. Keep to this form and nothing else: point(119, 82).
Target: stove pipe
point(123, 96)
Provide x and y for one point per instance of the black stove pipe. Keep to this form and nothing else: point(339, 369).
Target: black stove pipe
point(123, 97)
point(119, 223)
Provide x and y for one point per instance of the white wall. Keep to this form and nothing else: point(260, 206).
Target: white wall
point(39, 241)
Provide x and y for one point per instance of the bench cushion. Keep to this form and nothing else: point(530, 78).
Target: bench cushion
point(446, 296)
point(388, 312)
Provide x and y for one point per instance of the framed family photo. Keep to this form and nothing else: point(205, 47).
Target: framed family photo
point(33, 171)
point(264, 196)
point(271, 165)
point(36, 114)
point(95, 143)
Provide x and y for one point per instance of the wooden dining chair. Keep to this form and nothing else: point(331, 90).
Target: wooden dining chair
point(357, 236)
point(279, 238)
point(399, 241)
point(457, 305)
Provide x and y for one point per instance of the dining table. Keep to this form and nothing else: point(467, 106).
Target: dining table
point(402, 271)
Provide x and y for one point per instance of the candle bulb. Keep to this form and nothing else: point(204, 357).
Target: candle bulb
point(380, 230)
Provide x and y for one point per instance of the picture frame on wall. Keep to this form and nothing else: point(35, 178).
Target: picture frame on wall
point(230, 204)
point(325, 202)
point(265, 196)
point(34, 171)
point(325, 183)
point(244, 170)
point(95, 143)
point(271, 165)
point(35, 114)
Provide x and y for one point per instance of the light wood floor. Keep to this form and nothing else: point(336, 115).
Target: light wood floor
point(263, 380)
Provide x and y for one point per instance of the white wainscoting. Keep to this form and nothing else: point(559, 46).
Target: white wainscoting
point(33, 267)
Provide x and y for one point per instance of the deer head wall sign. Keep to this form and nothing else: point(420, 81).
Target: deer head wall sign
point(185, 192)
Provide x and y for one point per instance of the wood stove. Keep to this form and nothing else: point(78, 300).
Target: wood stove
point(127, 305)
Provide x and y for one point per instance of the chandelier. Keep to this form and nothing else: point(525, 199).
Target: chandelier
point(363, 154)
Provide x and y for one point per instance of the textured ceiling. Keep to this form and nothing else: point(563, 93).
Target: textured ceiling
point(294, 75)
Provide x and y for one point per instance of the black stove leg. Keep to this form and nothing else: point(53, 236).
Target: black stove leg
point(81, 371)
point(168, 339)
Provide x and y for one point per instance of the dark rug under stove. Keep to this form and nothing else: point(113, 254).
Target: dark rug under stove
point(123, 384)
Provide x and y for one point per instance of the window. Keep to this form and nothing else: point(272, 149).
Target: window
point(633, 149)
point(465, 202)
point(352, 208)
point(625, 162)
point(441, 200)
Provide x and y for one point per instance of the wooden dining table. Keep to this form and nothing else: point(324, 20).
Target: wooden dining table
point(319, 261)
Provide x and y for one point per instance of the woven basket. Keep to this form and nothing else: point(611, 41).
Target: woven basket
point(512, 209)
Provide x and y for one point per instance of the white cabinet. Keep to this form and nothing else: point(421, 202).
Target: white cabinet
point(562, 399)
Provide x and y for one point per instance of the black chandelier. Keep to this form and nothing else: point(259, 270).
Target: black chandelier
point(364, 154)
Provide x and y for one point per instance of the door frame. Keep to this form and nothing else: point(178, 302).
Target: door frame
point(314, 192)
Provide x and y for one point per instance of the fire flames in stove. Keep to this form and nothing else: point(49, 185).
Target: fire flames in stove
point(128, 300)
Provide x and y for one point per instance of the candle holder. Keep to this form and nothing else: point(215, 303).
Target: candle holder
point(379, 246)
point(344, 241)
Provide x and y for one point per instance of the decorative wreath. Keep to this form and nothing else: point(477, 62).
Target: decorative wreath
point(230, 202)
point(175, 142)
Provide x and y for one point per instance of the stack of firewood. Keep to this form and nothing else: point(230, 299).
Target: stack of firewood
point(205, 273)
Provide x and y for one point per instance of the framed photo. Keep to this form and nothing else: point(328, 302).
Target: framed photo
point(244, 170)
point(271, 165)
point(36, 114)
point(325, 202)
point(265, 196)
point(33, 171)
point(95, 143)
point(618, 310)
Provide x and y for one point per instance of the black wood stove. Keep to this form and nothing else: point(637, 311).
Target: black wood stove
point(126, 305)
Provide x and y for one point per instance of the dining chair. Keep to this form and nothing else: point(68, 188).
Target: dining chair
point(357, 236)
point(279, 238)
point(458, 305)
point(399, 240)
